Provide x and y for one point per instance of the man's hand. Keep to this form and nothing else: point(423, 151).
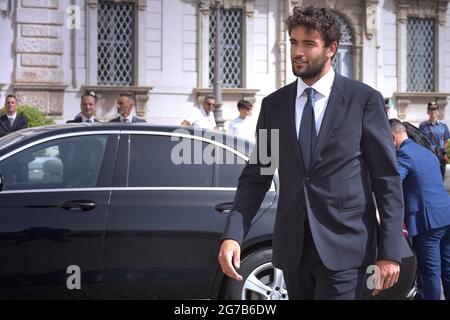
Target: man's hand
point(229, 254)
point(389, 273)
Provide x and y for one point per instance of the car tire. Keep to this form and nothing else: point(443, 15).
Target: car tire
point(261, 281)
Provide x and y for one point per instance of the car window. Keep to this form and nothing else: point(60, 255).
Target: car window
point(157, 161)
point(72, 162)
point(229, 167)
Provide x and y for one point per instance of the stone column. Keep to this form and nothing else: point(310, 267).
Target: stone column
point(39, 75)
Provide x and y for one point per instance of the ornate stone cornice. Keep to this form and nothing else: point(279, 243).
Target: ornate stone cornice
point(247, 5)
point(92, 3)
point(433, 9)
point(247, 94)
point(404, 99)
point(141, 4)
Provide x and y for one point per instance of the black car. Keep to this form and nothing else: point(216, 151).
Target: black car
point(120, 211)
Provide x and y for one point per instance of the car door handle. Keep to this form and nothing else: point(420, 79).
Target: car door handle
point(224, 207)
point(78, 205)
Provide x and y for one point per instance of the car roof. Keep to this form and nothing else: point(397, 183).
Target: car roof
point(36, 133)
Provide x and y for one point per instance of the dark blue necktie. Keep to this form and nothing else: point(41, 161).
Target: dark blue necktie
point(307, 134)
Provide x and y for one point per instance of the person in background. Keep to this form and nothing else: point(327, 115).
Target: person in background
point(202, 117)
point(125, 105)
point(387, 106)
point(243, 126)
point(11, 120)
point(438, 134)
point(427, 211)
point(88, 107)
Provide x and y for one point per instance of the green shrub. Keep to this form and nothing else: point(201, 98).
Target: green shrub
point(35, 117)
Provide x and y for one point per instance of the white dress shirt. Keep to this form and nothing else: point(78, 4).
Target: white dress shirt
point(12, 118)
point(129, 118)
point(243, 128)
point(85, 119)
point(199, 118)
point(322, 94)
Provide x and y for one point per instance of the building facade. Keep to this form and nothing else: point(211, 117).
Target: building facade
point(163, 51)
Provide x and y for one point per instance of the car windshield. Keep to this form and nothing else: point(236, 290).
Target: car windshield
point(11, 138)
point(22, 134)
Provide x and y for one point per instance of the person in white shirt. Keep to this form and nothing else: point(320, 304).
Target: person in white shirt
point(202, 117)
point(243, 126)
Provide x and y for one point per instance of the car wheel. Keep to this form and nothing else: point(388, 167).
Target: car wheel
point(262, 281)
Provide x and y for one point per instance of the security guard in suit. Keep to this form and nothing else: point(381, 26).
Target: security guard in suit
point(11, 120)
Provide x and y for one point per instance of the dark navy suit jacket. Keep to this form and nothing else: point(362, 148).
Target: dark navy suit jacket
point(21, 122)
point(353, 157)
point(135, 119)
point(78, 119)
point(427, 204)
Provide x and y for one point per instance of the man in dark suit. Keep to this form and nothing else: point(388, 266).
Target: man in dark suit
point(427, 211)
point(335, 151)
point(88, 107)
point(11, 120)
point(125, 104)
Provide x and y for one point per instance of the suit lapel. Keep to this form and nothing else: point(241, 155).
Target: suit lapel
point(292, 129)
point(4, 122)
point(335, 102)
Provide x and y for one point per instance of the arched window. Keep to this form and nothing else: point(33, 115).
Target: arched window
point(343, 60)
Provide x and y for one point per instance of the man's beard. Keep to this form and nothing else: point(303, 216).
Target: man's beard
point(314, 69)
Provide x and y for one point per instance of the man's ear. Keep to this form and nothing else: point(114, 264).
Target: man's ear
point(332, 48)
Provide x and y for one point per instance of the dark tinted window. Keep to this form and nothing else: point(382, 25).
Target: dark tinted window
point(72, 162)
point(230, 167)
point(157, 161)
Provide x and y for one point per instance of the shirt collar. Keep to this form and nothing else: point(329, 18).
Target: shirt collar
point(12, 116)
point(85, 119)
point(202, 110)
point(322, 86)
point(432, 124)
point(403, 142)
point(130, 118)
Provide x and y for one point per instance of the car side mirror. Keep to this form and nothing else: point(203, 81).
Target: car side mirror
point(1, 183)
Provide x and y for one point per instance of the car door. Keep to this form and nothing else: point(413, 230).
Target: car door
point(52, 215)
point(163, 233)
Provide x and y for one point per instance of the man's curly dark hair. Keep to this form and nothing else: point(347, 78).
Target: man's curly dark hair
point(322, 20)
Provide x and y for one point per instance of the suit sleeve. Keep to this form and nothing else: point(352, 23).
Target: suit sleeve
point(403, 164)
point(379, 154)
point(24, 123)
point(253, 184)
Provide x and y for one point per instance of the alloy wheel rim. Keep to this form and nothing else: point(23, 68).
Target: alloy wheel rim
point(265, 283)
